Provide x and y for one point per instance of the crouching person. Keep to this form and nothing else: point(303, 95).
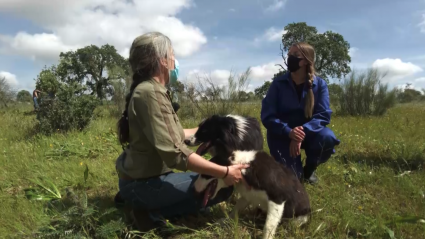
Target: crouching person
point(150, 126)
point(295, 113)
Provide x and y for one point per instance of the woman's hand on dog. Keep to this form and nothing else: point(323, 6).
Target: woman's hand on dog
point(235, 174)
point(294, 148)
point(297, 134)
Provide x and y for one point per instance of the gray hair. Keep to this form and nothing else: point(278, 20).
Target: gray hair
point(146, 52)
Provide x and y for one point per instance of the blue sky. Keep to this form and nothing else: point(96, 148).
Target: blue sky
point(213, 37)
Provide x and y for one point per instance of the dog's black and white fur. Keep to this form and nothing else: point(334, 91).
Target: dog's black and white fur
point(238, 132)
point(274, 188)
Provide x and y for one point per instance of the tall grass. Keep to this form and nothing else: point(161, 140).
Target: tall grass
point(206, 97)
point(364, 94)
point(63, 185)
point(371, 188)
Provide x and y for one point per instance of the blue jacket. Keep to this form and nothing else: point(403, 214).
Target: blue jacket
point(281, 111)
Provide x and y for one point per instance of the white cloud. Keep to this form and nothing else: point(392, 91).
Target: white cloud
point(421, 79)
point(271, 34)
point(232, 10)
point(10, 78)
point(258, 75)
point(422, 24)
point(218, 77)
point(395, 69)
point(353, 50)
point(265, 72)
point(38, 46)
point(73, 24)
point(277, 4)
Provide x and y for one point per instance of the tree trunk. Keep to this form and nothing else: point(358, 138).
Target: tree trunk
point(99, 90)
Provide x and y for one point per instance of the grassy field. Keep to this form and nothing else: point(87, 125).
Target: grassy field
point(374, 187)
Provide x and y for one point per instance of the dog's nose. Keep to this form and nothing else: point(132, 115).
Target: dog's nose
point(186, 141)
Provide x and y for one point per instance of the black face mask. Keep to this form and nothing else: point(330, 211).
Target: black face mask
point(293, 63)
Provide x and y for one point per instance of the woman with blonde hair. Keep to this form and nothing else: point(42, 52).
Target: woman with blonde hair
point(295, 113)
point(150, 126)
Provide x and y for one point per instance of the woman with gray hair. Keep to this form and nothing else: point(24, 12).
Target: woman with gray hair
point(155, 140)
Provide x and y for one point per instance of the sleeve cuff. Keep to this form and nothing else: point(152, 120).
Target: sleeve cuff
point(181, 160)
point(287, 130)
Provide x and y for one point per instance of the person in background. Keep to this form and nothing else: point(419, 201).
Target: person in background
point(155, 137)
point(295, 112)
point(35, 97)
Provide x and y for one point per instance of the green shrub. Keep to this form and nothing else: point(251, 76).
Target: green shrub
point(71, 109)
point(47, 81)
point(24, 96)
point(408, 95)
point(364, 94)
point(334, 93)
point(119, 93)
point(7, 94)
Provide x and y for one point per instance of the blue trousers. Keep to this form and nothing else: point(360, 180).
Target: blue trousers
point(318, 148)
point(35, 102)
point(168, 196)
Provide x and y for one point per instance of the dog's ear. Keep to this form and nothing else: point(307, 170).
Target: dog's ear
point(226, 124)
point(230, 139)
point(232, 129)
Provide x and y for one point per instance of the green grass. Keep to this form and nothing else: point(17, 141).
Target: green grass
point(376, 178)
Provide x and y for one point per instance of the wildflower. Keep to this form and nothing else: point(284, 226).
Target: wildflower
point(81, 163)
point(82, 143)
point(360, 207)
point(51, 145)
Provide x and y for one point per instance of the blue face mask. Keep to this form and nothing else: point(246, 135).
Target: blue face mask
point(174, 74)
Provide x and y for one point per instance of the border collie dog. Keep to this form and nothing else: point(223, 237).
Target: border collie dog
point(238, 132)
point(274, 188)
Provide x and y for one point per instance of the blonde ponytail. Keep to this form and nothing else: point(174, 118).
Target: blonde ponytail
point(309, 54)
point(309, 103)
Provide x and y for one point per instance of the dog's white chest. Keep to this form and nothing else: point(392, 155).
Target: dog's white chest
point(256, 198)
